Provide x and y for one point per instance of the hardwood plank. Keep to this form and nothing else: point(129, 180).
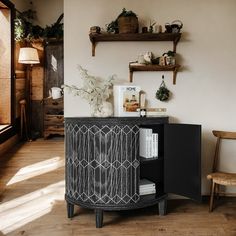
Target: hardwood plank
point(32, 196)
point(7, 145)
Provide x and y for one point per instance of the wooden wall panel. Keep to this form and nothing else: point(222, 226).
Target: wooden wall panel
point(37, 83)
point(54, 66)
point(18, 66)
point(20, 94)
point(39, 45)
point(5, 101)
point(20, 75)
point(5, 44)
point(37, 118)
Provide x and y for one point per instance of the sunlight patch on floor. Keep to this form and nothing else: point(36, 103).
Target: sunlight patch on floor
point(37, 169)
point(22, 210)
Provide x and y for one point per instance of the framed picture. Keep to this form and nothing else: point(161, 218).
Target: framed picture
point(126, 100)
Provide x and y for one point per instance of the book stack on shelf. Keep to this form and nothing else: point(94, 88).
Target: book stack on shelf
point(148, 143)
point(155, 112)
point(146, 187)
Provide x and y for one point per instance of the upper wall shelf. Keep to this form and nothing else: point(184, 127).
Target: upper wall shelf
point(106, 37)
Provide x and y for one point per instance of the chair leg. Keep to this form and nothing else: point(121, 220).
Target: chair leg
point(217, 191)
point(212, 196)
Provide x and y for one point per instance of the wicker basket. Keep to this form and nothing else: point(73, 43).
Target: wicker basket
point(128, 24)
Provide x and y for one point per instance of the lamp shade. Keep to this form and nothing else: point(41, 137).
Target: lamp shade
point(28, 56)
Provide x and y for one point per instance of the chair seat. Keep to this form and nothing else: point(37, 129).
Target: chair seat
point(223, 178)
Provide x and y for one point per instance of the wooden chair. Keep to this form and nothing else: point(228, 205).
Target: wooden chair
point(220, 178)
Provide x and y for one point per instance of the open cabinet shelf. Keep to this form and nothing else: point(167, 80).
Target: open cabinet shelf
point(108, 37)
point(141, 67)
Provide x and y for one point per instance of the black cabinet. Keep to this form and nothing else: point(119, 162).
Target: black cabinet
point(103, 166)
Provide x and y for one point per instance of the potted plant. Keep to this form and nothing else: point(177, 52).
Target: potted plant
point(26, 30)
point(96, 91)
point(113, 27)
point(127, 22)
point(170, 57)
point(163, 93)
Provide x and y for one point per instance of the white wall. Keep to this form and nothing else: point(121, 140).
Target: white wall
point(205, 90)
point(48, 11)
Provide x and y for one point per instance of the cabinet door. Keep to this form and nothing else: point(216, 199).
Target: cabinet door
point(102, 162)
point(54, 64)
point(182, 160)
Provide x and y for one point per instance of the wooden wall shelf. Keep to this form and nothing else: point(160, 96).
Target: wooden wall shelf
point(140, 67)
point(106, 37)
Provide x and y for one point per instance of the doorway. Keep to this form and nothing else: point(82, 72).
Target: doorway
point(6, 65)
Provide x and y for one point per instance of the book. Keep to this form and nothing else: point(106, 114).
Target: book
point(154, 145)
point(146, 182)
point(155, 112)
point(150, 109)
point(145, 142)
point(146, 187)
point(147, 192)
point(126, 100)
point(148, 143)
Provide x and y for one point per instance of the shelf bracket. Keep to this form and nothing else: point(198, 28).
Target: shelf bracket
point(93, 48)
point(130, 75)
point(175, 74)
point(175, 42)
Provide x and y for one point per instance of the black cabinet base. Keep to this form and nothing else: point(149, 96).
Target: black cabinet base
point(70, 210)
point(99, 218)
point(162, 205)
point(98, 210)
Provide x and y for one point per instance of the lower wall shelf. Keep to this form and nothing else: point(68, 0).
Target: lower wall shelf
point(141, 67)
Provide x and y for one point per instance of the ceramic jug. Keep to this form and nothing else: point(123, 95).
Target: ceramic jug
point(55, 92)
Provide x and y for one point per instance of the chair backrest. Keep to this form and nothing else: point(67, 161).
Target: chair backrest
point(220, 135)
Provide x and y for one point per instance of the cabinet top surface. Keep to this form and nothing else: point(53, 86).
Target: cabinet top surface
point(116, 120)
point(116, 117)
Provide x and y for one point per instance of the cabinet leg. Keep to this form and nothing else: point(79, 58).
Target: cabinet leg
point(70, 210)
point(162, 207)
point(99, 218)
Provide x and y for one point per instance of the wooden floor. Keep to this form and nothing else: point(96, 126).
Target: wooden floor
point(32, 203)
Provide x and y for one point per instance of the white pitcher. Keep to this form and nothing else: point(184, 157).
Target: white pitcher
point(55, 92)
